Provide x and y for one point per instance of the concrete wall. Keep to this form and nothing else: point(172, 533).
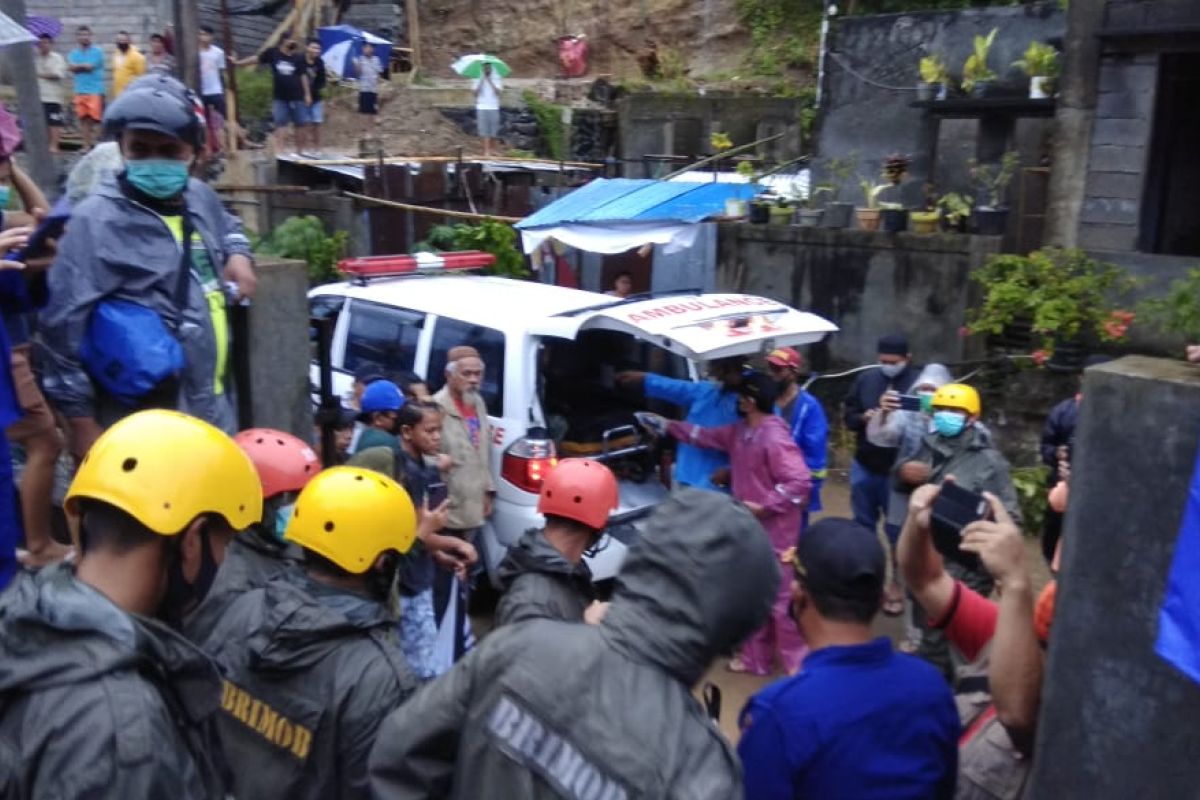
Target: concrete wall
point(1116, 720)
point(868, 283)
point(1120, 149)
point(871, 75)
point(666, 124)
point(105, 17)
point(279, 349)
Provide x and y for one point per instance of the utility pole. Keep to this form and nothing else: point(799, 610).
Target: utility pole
point(231, 122)
point(1073, 121)
point(22, 68)
point(413, 21)
point(187, 28)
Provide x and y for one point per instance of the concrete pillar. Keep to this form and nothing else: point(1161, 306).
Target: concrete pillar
point(21, 67)
point(279, 349)
point(1116, 720)
point(1073, 122)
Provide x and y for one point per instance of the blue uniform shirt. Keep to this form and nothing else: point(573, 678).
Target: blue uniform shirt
point(709, 405)
point(856, 722)
point(810, 431)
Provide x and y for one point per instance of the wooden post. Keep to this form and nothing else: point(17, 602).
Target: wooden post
point(187, 28)
point(413, 20)
point(231, 116)
point(22, 70)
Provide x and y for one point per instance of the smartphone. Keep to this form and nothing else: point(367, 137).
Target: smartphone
point(910, 402)
point(50, 228)
point(436, 494)
point(954, 509)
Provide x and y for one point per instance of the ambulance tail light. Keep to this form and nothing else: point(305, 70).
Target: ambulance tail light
point(527, 460)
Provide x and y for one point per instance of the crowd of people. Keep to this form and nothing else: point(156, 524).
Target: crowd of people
point(233, 618)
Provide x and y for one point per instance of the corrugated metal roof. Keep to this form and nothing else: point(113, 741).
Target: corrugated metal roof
point(627, 199)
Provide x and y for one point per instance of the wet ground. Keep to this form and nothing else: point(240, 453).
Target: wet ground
point(736, 689)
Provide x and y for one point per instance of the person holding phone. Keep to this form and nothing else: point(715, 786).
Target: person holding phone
point(544, 575)
point(959, 447)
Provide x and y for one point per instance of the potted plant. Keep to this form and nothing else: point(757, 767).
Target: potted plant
point(781, 211)
point(991, 217)
point(838, 213)
point(1040, 63)
point(809, 216)
point(893, 217)
point(924, 222)
point(977, 75)
point(1066, 297)
point(868, 215)
point(934, 78)
point(956, 209)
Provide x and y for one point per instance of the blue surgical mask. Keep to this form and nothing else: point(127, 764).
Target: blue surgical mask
point(158, 177)
point(892, 370)
point(5, 195)
point(949, 423)
point(283, 515)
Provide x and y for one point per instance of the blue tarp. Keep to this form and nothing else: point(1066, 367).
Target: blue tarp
point(1179, 620)
point(634, 200)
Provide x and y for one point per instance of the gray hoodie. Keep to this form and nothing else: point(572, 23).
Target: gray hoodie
point(117, 248)
point(98, 703)
point(559, 710)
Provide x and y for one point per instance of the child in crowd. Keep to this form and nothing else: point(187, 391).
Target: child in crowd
point(369, 69)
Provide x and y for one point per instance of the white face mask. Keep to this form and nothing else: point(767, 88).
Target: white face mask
point(892, 370)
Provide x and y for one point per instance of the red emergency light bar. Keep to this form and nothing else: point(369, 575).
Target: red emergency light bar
point(414, 264)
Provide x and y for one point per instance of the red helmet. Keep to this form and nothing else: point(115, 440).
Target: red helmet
point(581, 489)
point(284, 463)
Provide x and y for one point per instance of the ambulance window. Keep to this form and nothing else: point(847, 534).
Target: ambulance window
point(382, 337)
point(490, 344)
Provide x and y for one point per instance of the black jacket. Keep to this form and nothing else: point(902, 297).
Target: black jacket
point(553, 710)
point(1059, 431)
point(540, 584)
point(310, 672)
point(99, 703)
point(251, 559)
point(864, 395)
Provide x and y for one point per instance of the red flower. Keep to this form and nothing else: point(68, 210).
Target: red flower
point(1039, 357)
point(964, 331)
point(1125, 317)
point(1115, 329)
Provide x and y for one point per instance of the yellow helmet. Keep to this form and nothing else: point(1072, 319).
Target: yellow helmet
point(164, 469)
point(350, 515)
point(959, 396)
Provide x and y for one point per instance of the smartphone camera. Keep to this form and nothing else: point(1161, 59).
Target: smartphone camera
point(954, 509)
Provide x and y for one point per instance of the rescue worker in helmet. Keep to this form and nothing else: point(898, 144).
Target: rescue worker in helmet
point(137, 311)
point(285, 464)
point(544, 575)
point(550, 709)
point(310, 660)
point(101, 699)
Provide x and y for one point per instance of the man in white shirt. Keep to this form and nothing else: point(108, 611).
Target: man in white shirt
point(487, 108)
point(212, 86)
point(51, 72)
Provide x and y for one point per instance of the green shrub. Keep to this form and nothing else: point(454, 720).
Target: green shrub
point(1032, 496)
point(549, 117)
point(305, 238)
point(254, 94)
point(497, 238)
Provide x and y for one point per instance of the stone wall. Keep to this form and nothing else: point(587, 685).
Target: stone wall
point(868, 283)
point(1111, 214)
point(279, 351)
point(667, 124)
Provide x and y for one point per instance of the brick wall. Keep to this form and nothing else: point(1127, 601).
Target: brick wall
point(1119, 152)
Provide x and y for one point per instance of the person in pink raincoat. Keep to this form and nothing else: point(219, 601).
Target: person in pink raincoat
point(768, 474)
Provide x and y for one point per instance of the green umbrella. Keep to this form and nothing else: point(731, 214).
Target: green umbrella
point(472, 66)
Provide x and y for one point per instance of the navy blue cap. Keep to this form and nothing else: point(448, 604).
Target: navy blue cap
point(894, 344)
point(839, 557)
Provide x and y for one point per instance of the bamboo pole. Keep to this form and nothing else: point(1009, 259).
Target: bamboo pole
point(437, 212)
point(358, 162)
point(722, 154)
point(412, 16)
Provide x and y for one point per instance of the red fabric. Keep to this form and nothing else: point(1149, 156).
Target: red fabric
point(970, 622)
point(573, 56)
point(975, 727)
point(470, 418)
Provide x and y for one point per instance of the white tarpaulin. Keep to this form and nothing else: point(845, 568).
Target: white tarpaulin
point(13, 33)
point(615, 237)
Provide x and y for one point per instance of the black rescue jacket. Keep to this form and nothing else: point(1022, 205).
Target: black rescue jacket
point(540, 584)
point(254, 557)
point(99, 703)
point(310, 672)
point(558, 710)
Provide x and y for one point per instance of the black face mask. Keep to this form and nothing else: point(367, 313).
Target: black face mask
point(182, 597)
point(123, 47)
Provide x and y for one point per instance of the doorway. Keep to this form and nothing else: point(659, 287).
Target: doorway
point(1169, 224)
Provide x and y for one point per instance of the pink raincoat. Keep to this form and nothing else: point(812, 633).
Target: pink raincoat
point(766, 467)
